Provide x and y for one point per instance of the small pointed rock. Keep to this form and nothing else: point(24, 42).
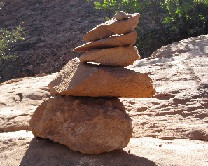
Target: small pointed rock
point(120, 15)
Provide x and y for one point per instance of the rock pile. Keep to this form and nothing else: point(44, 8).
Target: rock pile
point(85, 113)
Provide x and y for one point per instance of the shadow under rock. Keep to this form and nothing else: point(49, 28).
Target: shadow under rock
point(43, 152)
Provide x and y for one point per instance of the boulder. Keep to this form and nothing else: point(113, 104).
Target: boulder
point(80, 79)
point(118, 56)
point(85, 124)
point(117, 25)
point(113, 41)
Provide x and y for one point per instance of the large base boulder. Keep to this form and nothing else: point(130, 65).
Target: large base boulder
point(85, 124)
point(78, 79)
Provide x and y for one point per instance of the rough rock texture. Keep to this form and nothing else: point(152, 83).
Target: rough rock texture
point(88, 125)
point(118, 56)
point(194, 45)
point(179, 110)
point(113, 41)
point(80, 79)
point(111, 27)
point(53, 29)
point(120, 15)
point(18, 100)
point(180, 106)
point(21, 149)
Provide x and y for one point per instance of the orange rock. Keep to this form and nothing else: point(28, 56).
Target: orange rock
point(118, 56)
point(79, 79)
point(113, 41)
point(85, 124)
point(111, 27)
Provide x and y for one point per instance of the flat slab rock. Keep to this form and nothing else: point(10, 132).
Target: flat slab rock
point(79, 79)
point(113, 41)
point(118, 56)
point(19, 98)
point(88, 125)
point(113, 26)
point(22, 149)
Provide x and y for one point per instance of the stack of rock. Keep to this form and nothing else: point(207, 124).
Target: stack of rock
point(84, 112)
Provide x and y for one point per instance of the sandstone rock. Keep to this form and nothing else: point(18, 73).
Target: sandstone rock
point(85, 124)
point(120, 15)
point(179, 107)
point(21, 149)
point(118, 56)
point(79, 79)
point(113, 41)
point(113, 26)
point(18, 100)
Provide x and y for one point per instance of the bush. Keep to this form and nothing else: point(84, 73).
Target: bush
point(7, 38)
point(162, 21)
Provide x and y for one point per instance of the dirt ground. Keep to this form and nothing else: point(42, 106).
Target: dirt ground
point(52, 29)
point(21, 149)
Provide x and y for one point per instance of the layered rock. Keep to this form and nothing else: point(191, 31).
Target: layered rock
point(121, 23)
point(112, 41)
point(79, 79)
point(95, 125)
point(113, 56)
point(88, 125)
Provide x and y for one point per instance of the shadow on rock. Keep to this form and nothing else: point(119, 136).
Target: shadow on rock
point(45, 152)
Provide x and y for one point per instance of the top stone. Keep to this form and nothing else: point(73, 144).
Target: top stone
point(121, 23)
point(120, 15)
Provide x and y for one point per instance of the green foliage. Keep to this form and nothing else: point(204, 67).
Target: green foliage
point(125, 5)
point(173, 19)
point(187, 17)
point(7, 38)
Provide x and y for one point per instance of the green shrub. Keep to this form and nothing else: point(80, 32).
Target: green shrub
point(173, 20)
point(7, 38)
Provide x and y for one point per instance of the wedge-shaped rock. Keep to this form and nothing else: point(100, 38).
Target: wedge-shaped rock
point(80, 79)
point(118, 56)
point(85, 124)
point(111, 27)
point(113, 41)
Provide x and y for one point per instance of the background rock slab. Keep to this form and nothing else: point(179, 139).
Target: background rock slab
point(18, 100)
point(180, 106)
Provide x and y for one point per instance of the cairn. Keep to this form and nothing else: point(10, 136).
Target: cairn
point(84, 112)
